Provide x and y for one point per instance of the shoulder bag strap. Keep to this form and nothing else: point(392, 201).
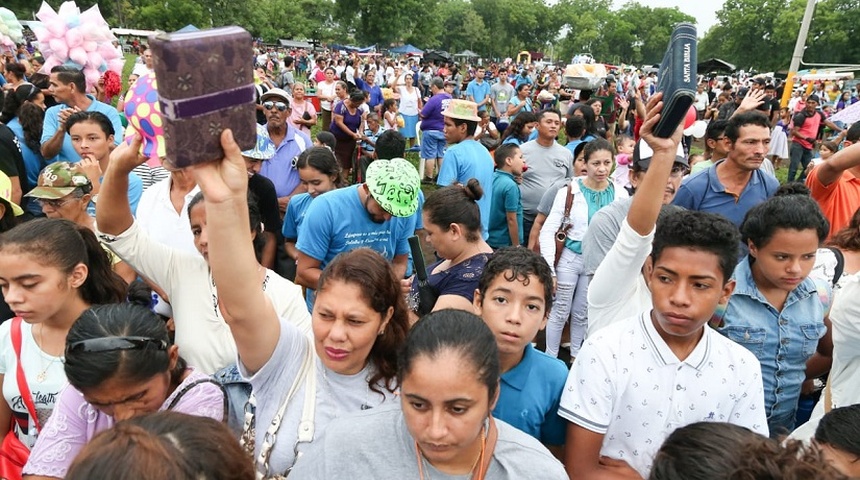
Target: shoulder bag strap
point(22, 380)
point(568, 202)
point(307, 368)
point(489, 448)
point(193, 384)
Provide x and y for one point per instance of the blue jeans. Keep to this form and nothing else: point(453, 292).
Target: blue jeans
point(799, 156)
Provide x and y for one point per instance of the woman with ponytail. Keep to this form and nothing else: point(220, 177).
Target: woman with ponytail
point(51, 271)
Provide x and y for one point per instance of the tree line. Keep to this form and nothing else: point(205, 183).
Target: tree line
point(753, 34)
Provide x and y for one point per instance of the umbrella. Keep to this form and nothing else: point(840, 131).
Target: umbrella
point(848, 115)
point(427, 295)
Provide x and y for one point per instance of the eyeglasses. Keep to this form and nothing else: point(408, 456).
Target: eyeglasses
point(54, 204)
point(113, 344)
point(281, 106)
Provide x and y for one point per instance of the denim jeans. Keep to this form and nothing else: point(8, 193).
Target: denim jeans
point(571, 302)
point(799, 157)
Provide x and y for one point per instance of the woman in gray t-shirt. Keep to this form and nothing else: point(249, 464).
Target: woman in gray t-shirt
point(449, 381)
point(299, 384)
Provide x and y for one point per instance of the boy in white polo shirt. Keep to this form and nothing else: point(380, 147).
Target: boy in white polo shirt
point(637, 380)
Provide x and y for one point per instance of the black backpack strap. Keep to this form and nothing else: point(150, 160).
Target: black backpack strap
point(181, 393)
point(840, 264)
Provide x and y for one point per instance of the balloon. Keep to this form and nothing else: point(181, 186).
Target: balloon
point(697, 129)
point(144, 114)
point(691, 117)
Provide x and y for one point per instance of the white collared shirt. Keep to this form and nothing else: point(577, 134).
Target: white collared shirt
point(157, 216)
point(628, 385)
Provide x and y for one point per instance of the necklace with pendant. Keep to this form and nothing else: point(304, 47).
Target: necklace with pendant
point(43, 375)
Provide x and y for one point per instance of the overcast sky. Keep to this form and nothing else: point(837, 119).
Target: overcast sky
point(704, 10)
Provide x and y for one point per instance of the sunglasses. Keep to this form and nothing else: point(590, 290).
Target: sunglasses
point(54, 204)
point(113, 344)
point(281, 106)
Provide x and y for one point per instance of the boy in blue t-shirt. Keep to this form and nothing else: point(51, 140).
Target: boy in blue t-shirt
point(514, 297)
point(506, 210)
point(465, 158)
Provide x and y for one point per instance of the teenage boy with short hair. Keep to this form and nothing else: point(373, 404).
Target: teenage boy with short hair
point(506, 209)
point(465, 158)
point(638, 379)
point(514, 297)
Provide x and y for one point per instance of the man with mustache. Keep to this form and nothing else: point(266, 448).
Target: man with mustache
point(732, 186)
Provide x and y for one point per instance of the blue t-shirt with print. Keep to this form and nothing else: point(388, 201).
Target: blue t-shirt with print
point(337, 222)
point(295, 214)
point(465, 160)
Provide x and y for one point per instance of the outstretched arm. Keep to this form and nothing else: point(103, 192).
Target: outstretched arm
point(246, 309)
point(649, 195)
point(832, 169)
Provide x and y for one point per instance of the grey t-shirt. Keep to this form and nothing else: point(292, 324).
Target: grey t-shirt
point(336, 395)
point(501, 95)
point(546, 166)
point(376, 444)
point(602, 232)
point(548, 198)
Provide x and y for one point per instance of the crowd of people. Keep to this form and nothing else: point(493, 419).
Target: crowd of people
point(599, 302)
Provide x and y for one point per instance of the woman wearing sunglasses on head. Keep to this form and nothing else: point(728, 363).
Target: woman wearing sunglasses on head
point(120, 364)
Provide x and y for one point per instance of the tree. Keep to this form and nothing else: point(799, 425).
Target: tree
point(757, 34)
point(653, 27)
point(633, 34)
point(170, 15)
point(381, 22)
point(834, 32)
point(516, 25)
point(463, 27)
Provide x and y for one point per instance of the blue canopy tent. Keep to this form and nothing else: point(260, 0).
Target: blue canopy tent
point(406, 50)
point(188, 28)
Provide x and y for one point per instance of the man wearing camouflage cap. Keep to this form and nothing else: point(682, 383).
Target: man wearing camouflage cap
point(373, 214)
point(63, 191)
